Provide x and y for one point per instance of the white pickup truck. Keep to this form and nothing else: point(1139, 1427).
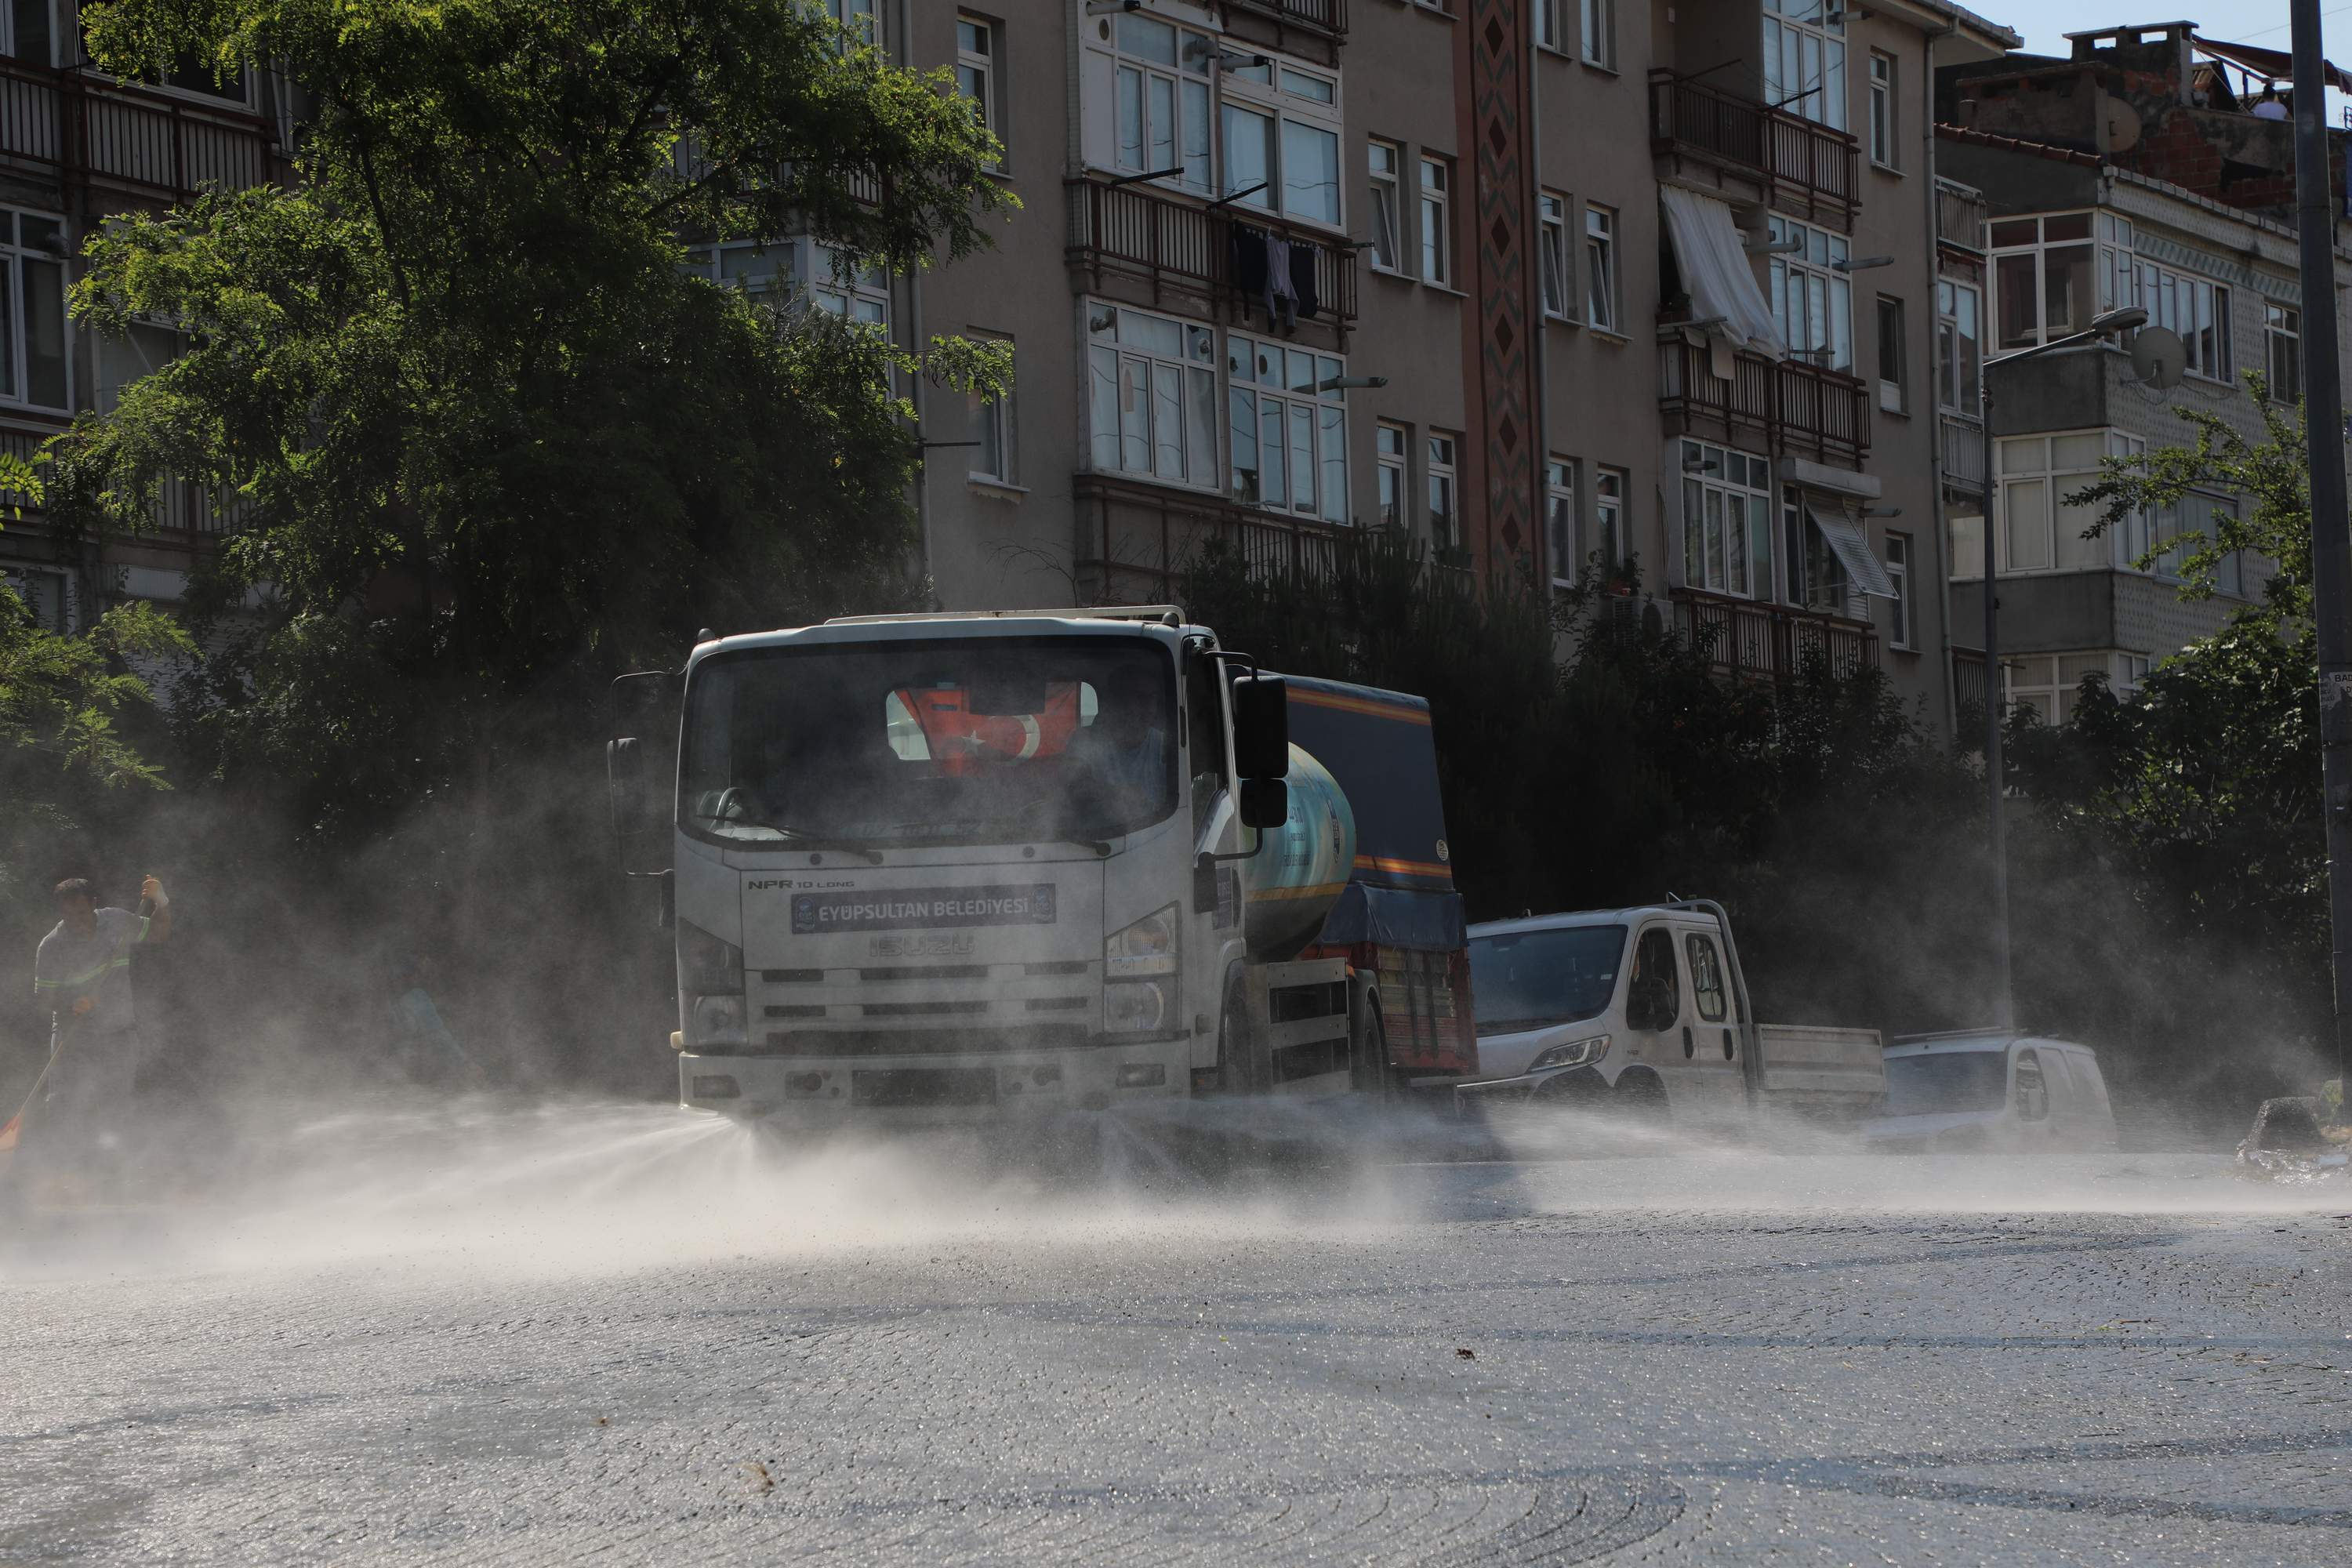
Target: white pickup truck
point(1647, 1010)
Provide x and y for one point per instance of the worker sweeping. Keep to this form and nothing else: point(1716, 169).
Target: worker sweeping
point(82, 978)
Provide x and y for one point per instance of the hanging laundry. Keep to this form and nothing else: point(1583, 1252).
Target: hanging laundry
point(1246, 264)
point(1281, 296)
point(1302, 278)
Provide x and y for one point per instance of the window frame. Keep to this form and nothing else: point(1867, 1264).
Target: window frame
point(1960, 374)
point(2053, 483)
point(1326, 434)
point(1202, 457)
point(1805, 21)
point(16, 256)
point(1597, 30)
point(1725, 479)
point(1562, 524)
point(1386, 196)
point(1884, 104)
point(983, 62)
point(1557, 273)
point(1392, 474)
point(1903, 622)
point(1604, 309)
point(1105, 59)
point(1895, 391)
point(1239, 91)
point(1612, 488)
point(1811, 279)
point(2282, 327)
point(997, 421)
point(1443, 470)
point(1436, 232)
point(20, 578)
point(58, 26)
point(2039, 250)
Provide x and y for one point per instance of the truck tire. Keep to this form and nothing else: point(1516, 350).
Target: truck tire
point(1235, 1073)
point(1641, 1098)
point(1372, 1076)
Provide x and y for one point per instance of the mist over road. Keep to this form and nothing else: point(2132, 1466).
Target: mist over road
point(536, 1336)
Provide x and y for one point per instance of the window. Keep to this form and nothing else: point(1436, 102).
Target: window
point(1552, 220)
point(856, 16)
point(992, 428)
point(1882, 122)
point(2042, 272)
point(1609, 514)
point(1804, 59)
point(1890, 355)
point(976, 69)
point(1706, 978)
point(1812, 299)
point(31, 32)
point(1436, 221)
point(1653, 994)
point(1144, 101)
point(1281, 129)
point(1445, 523)
point(1388, 248)
point(1151, 396)
point(33, 249)
point(2038, 531)
point(1898, 572)
point(2155, 536)
point(1289, 439)
point(1600, 265)
point(1559, 519)
point(2282, 342)
point(146, 348)
point(1389, 445)
point(1726, 521)
point(1547, 23)
point(795, 272)
point(1817, 578)
point(1959, 346)
point(1601, 33)
point(2051, 684)
point(44, 594)
point(2198, 311)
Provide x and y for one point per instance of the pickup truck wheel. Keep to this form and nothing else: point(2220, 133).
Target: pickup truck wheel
point(1641, 1097)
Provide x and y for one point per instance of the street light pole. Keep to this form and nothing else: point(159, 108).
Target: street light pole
point(2004, 1008)
point(2331, 547)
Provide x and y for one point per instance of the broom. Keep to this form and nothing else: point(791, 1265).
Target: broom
point(15, 1123)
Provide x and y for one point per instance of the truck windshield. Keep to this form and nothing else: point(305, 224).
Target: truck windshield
point(1530, 979)
point(1941, 1082)
point(978, 741)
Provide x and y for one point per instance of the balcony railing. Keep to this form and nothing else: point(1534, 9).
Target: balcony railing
point(1744, 638)
point(1960, 215)
point(1137, 538)
point(1963, 452)
point(1791, 404)
point(1178, 244)
point(1811, 170)
point(1328, 17)
point(129, 138)
point(1968, 685)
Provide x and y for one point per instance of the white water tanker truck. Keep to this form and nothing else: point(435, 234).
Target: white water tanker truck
point(958, 867)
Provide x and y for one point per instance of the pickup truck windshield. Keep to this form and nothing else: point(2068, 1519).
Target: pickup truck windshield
point(988, 740)
point(1943, 1081)
point(1530, 979)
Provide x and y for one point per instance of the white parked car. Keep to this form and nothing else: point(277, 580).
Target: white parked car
point(1980, 1089)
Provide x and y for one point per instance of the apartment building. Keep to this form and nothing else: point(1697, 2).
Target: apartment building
point(2133, 173)
point(76, 147)
point(1545, 283)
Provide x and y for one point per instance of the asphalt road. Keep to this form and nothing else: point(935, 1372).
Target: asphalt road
point(616, 1334)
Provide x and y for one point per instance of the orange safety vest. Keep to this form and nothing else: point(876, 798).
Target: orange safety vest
point(957, 737)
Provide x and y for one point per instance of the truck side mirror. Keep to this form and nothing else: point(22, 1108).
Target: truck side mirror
point(640, 826)
point(1265, 803)
point(1262, 728)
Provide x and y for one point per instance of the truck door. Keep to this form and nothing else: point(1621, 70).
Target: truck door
point(1710, 1032)
point(1654, 1004)
point(2029, 1096)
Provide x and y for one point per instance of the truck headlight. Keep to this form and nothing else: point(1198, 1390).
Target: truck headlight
point(1147, 947)
point(706, 965)
point(1135, 1004)
point(716, 1021)
point(1575, 1054)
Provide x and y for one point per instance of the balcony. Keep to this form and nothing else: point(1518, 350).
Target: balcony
point(88, 132)
point(1321, 25)
point(1137, 538)
point(1802, 169)
point(1967, 690)
point(1960, 217)
point(1963, 453)
point(1751, 641)
point(1179, 247)
point(1795, 406)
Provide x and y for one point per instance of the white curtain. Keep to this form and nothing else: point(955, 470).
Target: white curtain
point(1716, 271)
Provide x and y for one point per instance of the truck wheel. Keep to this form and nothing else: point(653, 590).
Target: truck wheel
point(1233, 1072)
point(1373, 1078)
point(1641, 1098)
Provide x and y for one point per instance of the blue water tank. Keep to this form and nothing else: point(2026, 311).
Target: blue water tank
point(1291, 883)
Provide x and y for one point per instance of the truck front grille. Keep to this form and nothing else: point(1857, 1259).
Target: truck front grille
point(926, 1042)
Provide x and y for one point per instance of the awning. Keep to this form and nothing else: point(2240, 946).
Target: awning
point(1864, 569)
point(1716, 269)
point(2271, 65)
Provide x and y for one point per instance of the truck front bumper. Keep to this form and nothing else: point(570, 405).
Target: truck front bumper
point(1565, 1085)
point(933, 1089)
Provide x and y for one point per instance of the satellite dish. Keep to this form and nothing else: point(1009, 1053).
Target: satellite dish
point(2158, 357)
point(2122, 128)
